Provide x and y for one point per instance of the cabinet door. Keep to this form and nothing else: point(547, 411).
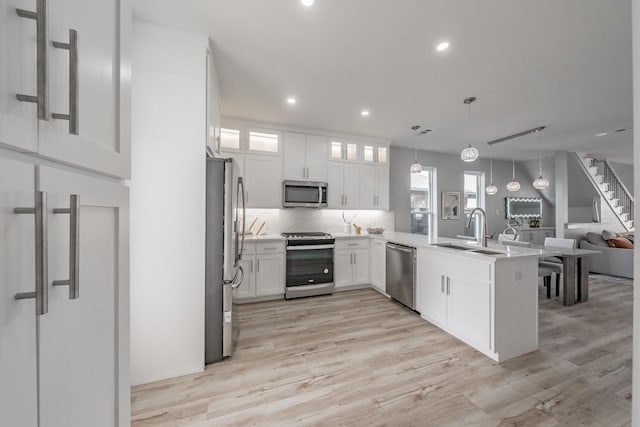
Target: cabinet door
point(264, 181)
point(378, 264)
point(432, 296)
point(367, 193)
point(18, 366)
point(350, 185)
point(84, 342)
point(295, 156)
point(269, 274)
point(360, 266)
point(248, 287)
point(316, 158)
point(103, 70)
point(18, 120)
point(528, 236)
point(335, 193)
point(382, 187)
point(469, 309)
point(343, 267)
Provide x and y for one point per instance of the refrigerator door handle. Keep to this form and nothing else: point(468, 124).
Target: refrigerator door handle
point(241, 192)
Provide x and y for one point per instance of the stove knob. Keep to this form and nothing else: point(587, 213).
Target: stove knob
point(326, 271)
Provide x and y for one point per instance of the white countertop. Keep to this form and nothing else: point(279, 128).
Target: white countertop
point(423, 241)
point(264, 238)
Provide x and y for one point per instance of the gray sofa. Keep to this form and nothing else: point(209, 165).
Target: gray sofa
point(612, 261)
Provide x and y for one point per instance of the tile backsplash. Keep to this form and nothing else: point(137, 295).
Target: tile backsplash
point(327, 220)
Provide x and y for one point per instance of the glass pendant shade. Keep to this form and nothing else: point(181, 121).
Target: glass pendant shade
point(540, 183)
point(469, 154)
point(491, 189)
point(513, 185)
point(415, 167)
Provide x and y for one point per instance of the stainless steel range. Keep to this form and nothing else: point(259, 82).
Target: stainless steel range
point(309, 264)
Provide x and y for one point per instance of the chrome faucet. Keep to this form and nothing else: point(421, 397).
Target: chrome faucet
point(482, 239)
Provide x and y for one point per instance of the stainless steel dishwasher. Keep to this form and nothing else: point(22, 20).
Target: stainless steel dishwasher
point(401, 274)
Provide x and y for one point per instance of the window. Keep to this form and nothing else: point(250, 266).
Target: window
point(230, 139)
point(265, 142)
point(423, 202)
point(344, 150)
point(473, 198)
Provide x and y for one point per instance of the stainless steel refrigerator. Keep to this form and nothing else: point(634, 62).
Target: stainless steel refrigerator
point(225, 212)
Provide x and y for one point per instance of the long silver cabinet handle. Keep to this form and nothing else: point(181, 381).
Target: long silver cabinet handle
point(41, 293)
point(74, 247)
point(72, 116)
point(442, 283)
point(42, 97)
point(448, 285)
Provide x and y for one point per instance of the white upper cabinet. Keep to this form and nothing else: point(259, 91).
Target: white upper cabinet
point(264, 181)
point(343, 150)
point(374, 187)
point(373, 153)
point(264, 142)
point(305, 157)
point(343, 185)
point(18, 46)
point(89, 98)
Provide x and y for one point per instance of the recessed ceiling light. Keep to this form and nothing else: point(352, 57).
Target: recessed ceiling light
point(307, 2)
point(364, 113)
point(291, 100)
point(601, 134)
point(442, 46)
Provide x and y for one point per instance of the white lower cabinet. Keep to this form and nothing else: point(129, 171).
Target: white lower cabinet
point(351, 262)
point(82, 337)
point(455, 294)
point(536, 236)
point(378, 267)
point(263, 266)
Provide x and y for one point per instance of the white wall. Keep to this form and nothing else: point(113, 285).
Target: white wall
point(167, 203)
point(450, 171)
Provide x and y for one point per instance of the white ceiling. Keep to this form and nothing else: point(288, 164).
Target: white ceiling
point(565, 64)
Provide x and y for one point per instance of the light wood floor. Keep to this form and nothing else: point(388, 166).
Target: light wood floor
point(358, 359)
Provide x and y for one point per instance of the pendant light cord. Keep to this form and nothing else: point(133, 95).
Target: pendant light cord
point(513, 160)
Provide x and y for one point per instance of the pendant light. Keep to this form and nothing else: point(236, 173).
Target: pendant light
point(540, 183)
point(491, 189)
point(469, 154)
point(513, 185)
point(416, 167)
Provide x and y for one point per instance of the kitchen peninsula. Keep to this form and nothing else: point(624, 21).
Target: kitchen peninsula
point(486, 297)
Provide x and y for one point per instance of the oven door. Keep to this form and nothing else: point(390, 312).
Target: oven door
point(309, 265)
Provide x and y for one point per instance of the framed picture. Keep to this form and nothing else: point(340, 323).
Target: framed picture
point(450, 205)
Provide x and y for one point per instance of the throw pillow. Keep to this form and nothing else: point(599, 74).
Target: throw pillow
point(596, 239)
point(620, 242)
point(629, 235)
point(608, 235)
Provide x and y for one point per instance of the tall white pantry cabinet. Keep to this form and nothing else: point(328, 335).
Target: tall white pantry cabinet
point(64, 212)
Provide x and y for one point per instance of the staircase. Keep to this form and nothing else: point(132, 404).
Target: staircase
point(610, 187)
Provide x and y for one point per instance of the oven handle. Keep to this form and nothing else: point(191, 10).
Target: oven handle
point(307, 247)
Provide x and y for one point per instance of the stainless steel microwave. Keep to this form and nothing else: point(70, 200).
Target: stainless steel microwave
point(304, 194)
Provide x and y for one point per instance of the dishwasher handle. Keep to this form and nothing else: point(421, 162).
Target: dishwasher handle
point(402, 248)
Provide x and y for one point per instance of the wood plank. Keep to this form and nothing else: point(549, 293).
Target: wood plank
point(357, 358)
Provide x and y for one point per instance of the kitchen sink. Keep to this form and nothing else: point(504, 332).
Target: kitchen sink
point(486, 252)
point(457, 247)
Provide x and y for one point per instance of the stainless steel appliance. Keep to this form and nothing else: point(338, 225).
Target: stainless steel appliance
point(401, 274)
point(309, 264)
point(304, 194)
point(225, 216)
